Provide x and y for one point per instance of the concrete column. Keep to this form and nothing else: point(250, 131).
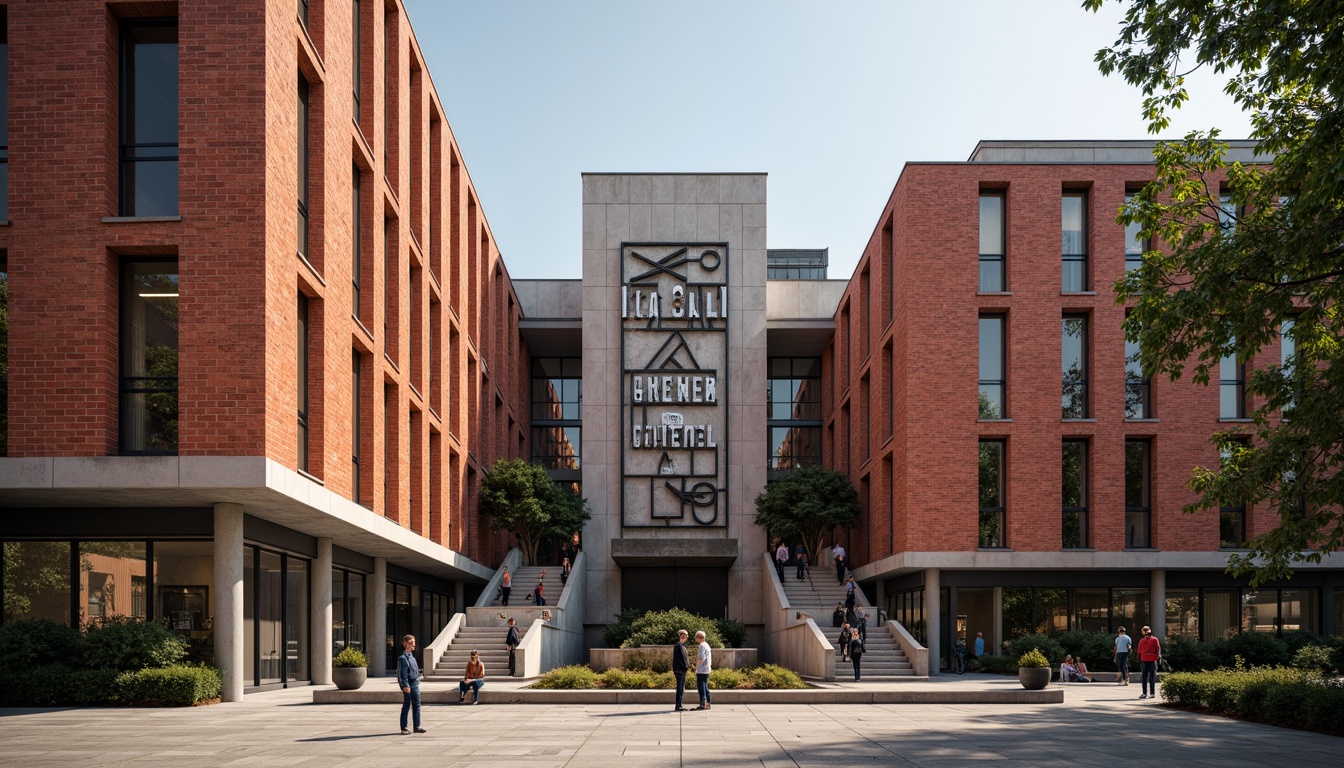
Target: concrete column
point(933, 619)
point(320, 602)
point(228, 598)
point(1157, 601)
point(375, 600)
point(996, 637)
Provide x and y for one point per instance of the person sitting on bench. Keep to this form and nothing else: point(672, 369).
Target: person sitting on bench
point(1069, 672)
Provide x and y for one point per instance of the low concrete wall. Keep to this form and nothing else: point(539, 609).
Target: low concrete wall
point(513, 559)
point(792, 640)
point(916, 653)
point(440, 644)
point(856, 695)
point(602, 659)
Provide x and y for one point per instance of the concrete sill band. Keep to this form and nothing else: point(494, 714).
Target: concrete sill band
point(852, 695)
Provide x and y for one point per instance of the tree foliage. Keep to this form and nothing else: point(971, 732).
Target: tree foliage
point(1245, 254)
point(807, 504)
point(521, 498)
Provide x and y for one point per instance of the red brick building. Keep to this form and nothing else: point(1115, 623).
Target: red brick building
point(258, 320)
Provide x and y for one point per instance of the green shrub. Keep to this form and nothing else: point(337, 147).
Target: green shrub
point(1324, 704)
point(733, 632)
point(1187, 655)
point(350, 657)
point(1257, 649)
point(36, 643)
point(124, 643)
point(1297, 639)
point(998, 665)
point(1314, 658)
point(573, 677)
point(1256, 685)
point(179, 686)
point(1288, 697)
point(772, 677)
point(1095, 648)
point(1048, 646)
point(1032, 658)
point(725, 679)
point(625, 679)
point(615, 634)
point(659, 661)
point(660, 628)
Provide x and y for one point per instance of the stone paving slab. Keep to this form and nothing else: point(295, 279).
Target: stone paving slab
point(1096, 725)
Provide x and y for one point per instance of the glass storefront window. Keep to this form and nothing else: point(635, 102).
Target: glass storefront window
point(37, 581)
point(1052, 611)
point(1129, 609)
point(112, 580)
point(1221, 614)
point(296, 619)
point(1092, 610)
point(270, 599)
point(1183, 613)
point(347, 611)
point(1260, 610)
point(1016, 613)
point(1299, 610)
point(183, 575)
point(399, 616)
point(976, 607)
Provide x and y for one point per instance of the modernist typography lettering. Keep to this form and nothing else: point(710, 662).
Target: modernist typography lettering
point(674, 351)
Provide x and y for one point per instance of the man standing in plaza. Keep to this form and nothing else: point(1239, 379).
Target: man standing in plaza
point(1150, 652)
point(781, 557)
point(979, 645)
point(839, 553)
point(681, 664)
point(511, 642)
point(702, 670)
point(408, 678)
point(1122, 645)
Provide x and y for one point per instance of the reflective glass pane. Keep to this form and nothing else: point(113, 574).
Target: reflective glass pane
point(1074, 275)
point(1260, 610)
point(991, 224)
point(1017, 613)
point(1129, 609)
point(1074, 367)
point(1092, 607)
point(1052, 611)
point(37, 581)
point(149, 357)
point(1073, 223)
point(296, 619)
point(1134, 244)
point(151, 79)
point(1222, 615)
point(1136, 473)
point(991, 275)
point(112, 580)
point(1300, 609)
point(1183, 613)
point(270, 615)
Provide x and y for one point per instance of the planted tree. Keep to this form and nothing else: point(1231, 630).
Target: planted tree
point(521, 498)
point(1250, 255)
point(807, 504)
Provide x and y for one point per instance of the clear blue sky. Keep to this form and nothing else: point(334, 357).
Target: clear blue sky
point(829, 98)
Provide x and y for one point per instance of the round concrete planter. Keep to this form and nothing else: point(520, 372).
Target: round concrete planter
point(1033, 678)
point(349, 678)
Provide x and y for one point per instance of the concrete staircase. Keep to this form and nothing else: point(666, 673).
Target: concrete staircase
point(525, 580)
point(816, 597)
point(488, 641)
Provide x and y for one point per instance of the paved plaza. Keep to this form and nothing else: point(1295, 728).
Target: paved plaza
point(1099, 724)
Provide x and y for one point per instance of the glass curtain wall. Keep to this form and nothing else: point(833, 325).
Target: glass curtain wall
point(275, 617)
point(793, 408)
point(347, 610)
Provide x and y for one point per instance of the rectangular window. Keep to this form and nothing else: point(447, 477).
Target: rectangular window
point(303, 11)
point(992, 504)
point(148, 155)
point(993, 378)
point(36, 578)
point(1231, 387)
point(1074, 230)
point(1135, 245)
point(1288, 359)
point(303, 383)
point(1074, 367)
point(4, 118)
point(356, 56)
point(1227, 213)
point(1138, 494)
point(148, 416)
point(1138, 388)
point(557, 412)
point(302, 178)
point(356, 427)
point(992, 242)
point(356, 239)
point(1231, 517)
point(1075, 494)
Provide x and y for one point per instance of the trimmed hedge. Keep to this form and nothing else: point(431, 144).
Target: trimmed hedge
point(573, 677)
point(764, 677)
point(1292, 698)
point(56, 686)
point(660, 628)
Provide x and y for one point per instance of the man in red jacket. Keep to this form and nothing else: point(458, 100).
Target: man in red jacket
point(1150, 652)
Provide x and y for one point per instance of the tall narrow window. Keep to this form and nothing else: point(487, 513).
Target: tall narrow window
point(149, 357)
point(149, 118)
point(356, 57)
point(356, 427)
point(991, 242)
point(356, 240)
point(303, 382)
point(1227, 213)
point(1074, 230)
point(993, 381)
point(1135, 245)
point(1138, 494)
point(992, 505)
point(1075, 502)
point(1231, 387)
point(303, 11)
point(302, 179)
point(4, 118)
point(1288, 359)
point(1138, 388)
point(1074, 368)
point(1231, 517)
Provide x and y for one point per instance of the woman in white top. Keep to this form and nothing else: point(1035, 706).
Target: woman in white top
point(702, 670)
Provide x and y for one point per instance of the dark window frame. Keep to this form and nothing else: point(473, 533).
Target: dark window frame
point(140, 384)
point(1079, 381)
point(356, 239)
point(304, 111)
point(1002, 381)
point(1080, 256)
point(129, 153)
point(1138, 388)
point(304, 370)
point(545, 416)
point(1133, 258)
point(995, 514)
point(1000, 258)
point(1144, 510)
point(357, 425)
point(1236, 384)
point(803, 384)
point(1080, 513)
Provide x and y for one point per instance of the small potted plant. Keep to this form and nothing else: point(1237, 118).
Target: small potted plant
point(349, 669)
point(1033, 670)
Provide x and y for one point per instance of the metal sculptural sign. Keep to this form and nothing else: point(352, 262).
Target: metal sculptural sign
point(674, 368)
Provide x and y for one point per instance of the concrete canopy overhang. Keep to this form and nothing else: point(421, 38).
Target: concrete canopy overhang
point(688, 553)
point(1128, 560)
point(265, 489)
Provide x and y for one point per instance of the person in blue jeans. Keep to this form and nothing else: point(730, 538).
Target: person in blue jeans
point(472, 680)
point(408, 679)
point(1122, 646)
point(800, 557)
point(702, 670)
